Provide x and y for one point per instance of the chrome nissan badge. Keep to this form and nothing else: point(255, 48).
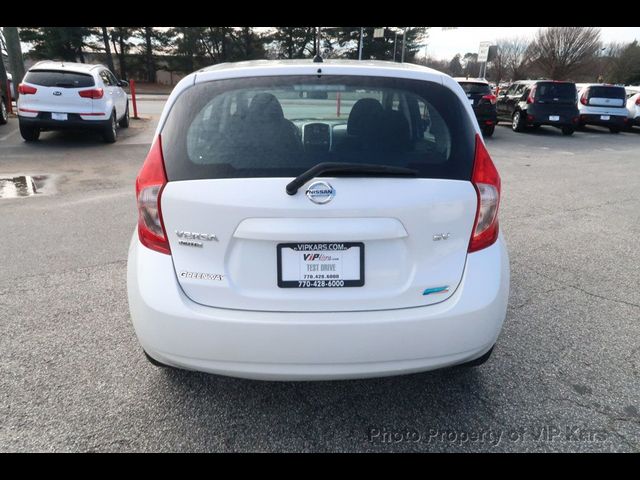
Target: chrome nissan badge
point(320, 192)
point(57, 93)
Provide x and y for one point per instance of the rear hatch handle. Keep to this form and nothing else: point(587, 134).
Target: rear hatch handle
point(345, 167)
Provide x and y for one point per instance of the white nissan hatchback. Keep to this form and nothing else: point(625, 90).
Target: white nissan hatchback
point(303, 221)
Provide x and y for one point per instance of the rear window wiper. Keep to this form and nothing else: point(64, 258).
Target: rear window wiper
point(338, 167)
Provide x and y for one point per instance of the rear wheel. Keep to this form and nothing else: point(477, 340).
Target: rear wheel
point(30, 134)
point(155, 362)
point(614, 129)
point(4, 116)
point(124, 121)
point(488, 130)
point(567, 130)
point(517, 122)
point(480, 360)
point(110, 132)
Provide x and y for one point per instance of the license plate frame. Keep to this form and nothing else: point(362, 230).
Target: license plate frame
point(302, 248)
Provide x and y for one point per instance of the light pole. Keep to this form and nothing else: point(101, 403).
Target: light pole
point(361, 42)
point(404, 35)
point(395, 42)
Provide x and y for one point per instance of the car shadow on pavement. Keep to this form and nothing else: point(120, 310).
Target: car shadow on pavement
point(325, 415)
point(542, 131)
point(69, 139)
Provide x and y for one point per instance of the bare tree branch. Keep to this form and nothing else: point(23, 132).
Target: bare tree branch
point(560, 52)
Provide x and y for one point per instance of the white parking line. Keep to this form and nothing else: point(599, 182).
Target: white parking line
point(2, 139)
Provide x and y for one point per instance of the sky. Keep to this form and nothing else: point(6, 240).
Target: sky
point(444, 44)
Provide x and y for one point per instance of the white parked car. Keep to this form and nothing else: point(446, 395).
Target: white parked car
point(62, 95)
point(633, 106)
point(603, 105)
point(303, 220)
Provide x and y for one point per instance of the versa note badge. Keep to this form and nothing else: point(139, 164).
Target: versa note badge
point(190, 239)
point(320, 192)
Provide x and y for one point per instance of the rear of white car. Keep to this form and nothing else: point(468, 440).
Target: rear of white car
point(57, 95)
point(317, 221)
point(603, 105)
point(633, 107)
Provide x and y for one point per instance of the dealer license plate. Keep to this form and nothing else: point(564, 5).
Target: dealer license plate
point(320, 265)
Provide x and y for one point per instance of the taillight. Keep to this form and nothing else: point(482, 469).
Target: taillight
point(492, 98)
point(638, 101)
point(532, 94)
point(94, 93)
point(149, 185)
point(26, 89)
point(583, 98)
point(486, 180)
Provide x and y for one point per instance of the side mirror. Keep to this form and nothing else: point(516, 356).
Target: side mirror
point(123, 83)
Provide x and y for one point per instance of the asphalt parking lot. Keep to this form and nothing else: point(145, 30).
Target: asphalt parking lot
point(565, 374)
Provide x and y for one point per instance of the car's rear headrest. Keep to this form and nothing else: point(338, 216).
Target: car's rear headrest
point(365, 117)
point(265, 107)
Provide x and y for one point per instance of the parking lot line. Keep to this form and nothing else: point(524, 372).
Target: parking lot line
point(10, 134)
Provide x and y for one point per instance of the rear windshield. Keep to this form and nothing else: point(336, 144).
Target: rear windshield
point(57, 78)
point(282, 126)
point(556, 90)
point(470, 87)
point(607, 92)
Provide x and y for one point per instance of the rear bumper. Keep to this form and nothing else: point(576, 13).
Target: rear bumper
point(619, 121)
point(316, 346)
point(563, 121)
point(485, 119)
point(75, 121)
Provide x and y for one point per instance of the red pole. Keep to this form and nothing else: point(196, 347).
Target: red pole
point(9, 99)
point(132, 85)
point(338, 104)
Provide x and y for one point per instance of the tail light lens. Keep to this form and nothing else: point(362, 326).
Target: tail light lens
point(94, 93)
point(486, 180)
point(491, 98)
point(532, 95)
point(583, 98)
point(149, 185)
point(638, 101)
point(26, 89)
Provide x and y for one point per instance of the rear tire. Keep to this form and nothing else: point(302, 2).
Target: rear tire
point(517, 122)
point(488, 130)
point(4, 115)
point(480, 360)
point(30, 134)
point(124, 121)
point(567, 130)
point(614, 129)
point(155, 362)
point(110, 134)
